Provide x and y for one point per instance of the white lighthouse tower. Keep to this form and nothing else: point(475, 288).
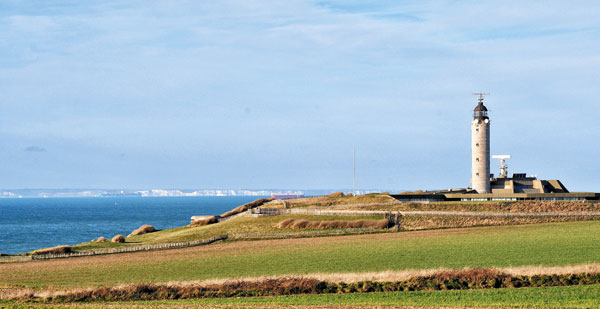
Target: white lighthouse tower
point(480, 148)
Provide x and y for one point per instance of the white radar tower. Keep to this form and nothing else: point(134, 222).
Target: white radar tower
point(503, 166)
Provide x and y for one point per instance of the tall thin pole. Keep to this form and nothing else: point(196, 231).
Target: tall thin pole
point(353, 170)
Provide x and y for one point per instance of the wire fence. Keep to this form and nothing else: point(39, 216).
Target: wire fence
point(237, 236)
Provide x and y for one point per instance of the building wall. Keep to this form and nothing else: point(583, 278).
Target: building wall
point(480, 156)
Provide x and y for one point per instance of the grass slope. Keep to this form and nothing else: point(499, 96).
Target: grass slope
point(362, 202)
point(543, 244)
point(243, 225)
point(331, 200)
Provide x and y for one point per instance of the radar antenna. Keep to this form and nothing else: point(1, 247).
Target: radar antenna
point(503, 166)
point(480, 94)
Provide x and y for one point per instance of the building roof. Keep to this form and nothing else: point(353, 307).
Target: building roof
point(480, 108)
point(495, 196)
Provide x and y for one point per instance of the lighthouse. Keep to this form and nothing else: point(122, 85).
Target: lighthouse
point(480, 148)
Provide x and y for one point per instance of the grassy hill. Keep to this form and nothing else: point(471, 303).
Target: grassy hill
point(252, 225)
point(489, 243)
point(541, 244)
point(335, 199)
point(240, 225)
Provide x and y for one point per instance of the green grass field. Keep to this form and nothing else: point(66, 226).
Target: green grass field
point(562, 297)
point(542, 244)
point(570, 297)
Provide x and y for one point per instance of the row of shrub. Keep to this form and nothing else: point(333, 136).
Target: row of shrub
point(205, 221)
point(332, 224)
point(447, 280)
point(144, 229)
point(53, 250)
point(504, 206)
point(116, 239)
point(339, 198)
point(436, 222)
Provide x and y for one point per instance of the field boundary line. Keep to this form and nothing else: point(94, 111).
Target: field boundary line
point(418, 213)
point(14, 258)
point(334, 232)
point(164, 246)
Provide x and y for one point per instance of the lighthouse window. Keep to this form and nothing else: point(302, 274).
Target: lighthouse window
point(477, 145)
point(477, 129)
point(477, 159)
point(476, 174)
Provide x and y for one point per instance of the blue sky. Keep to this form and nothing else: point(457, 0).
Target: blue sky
point(274, 94)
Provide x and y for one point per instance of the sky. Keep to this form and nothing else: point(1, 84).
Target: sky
point(275, 94)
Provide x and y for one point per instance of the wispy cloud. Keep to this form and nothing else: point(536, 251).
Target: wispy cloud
point(34, 149)
point(149, 78)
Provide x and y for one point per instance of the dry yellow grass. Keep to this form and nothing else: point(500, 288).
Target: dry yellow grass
point(334, 224)
point(10, 292)
point(401, 275)
point(412, 192)
point(504, 206)
point(552, 206)
point(245, 207)
point(332, 200)
point(53, 250)
point(206, 221)
point(118, 239)
point(144, 229)
point(427, 223)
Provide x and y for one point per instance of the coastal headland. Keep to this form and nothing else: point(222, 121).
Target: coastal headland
point(331, 250)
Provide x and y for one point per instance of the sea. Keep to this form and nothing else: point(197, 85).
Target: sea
point(31, 223)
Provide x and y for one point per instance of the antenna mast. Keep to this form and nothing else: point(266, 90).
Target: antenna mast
point(353, 170)
point(480, 94)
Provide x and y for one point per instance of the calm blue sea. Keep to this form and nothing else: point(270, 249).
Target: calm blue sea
point(31, 223)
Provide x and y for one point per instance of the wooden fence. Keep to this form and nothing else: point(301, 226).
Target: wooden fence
point(348, 231)
point(188, 244)
point(14, 258)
